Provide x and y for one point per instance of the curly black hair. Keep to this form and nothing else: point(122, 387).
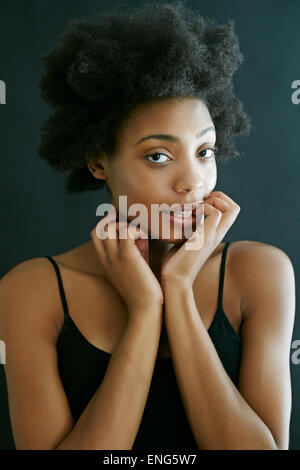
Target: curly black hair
point(105, 67)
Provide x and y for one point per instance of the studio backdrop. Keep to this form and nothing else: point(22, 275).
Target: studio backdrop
point(39, 218)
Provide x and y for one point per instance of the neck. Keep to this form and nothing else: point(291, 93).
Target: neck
point(157, 251)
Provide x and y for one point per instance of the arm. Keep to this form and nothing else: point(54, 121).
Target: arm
point(39, 410)
point(257, 414)
point(112, 418)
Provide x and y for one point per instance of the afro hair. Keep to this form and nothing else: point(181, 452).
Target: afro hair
point(103, 68)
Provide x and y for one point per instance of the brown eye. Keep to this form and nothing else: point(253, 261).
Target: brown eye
point(211, 153)
point(155, 155)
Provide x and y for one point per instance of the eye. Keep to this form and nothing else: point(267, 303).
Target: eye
point(203, 154)
point(212, 152)
point(155, 155)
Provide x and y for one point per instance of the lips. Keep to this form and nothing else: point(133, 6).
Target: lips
point(188, 206)
point(181, 221)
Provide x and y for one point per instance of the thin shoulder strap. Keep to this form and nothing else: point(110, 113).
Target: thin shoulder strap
point(222, 275)
point(60, 285)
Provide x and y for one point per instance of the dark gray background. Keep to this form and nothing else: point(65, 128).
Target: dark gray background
point(38, 218)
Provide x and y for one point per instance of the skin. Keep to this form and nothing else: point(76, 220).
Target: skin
point(180, 175)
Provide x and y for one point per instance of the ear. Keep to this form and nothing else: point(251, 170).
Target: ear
point(98, 167)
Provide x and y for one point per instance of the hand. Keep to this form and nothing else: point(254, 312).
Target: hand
point(125, 262)
point(183, 264)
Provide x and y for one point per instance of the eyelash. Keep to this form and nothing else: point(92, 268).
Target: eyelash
point(214, 149)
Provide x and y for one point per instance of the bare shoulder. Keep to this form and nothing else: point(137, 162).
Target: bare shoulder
point(35, 272)
point(29, 290)
point(26, 268)
point(258, 266)
point(255, 256)
point(251, 246)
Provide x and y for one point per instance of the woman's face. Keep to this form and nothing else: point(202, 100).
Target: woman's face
point(179, 174)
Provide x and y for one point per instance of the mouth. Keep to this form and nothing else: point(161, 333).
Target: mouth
point(186, 217)
point(182, 223)
point(187, 210)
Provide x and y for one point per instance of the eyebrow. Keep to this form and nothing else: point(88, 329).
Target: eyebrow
point(172, 138)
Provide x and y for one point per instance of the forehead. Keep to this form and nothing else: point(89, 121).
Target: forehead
point(180, 116)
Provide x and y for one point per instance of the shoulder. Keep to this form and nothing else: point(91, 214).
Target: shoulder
point(253, 256)
point(28, 292)
point(30, 270)
point(260, 269)
point(256, 255)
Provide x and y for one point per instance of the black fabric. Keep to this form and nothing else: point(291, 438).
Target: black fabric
point(164, 425)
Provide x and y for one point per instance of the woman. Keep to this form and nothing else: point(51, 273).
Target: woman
point(124, 343)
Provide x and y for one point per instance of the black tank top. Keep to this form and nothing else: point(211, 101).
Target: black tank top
point(164, 425)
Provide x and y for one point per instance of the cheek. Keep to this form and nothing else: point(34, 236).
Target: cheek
point(211, 185)
point(211, 178)
point(123, 184)
point(144, 188)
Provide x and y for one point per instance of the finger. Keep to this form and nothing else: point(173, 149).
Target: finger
point(220, 204)
point(100, 233)
point(206, 228)
point(120, 237)
point(100, 227)
point(229, 215)
point(213, 216)
point(99, 246)
point(134, 236)
point(222, 217)
point(223, 196)
point(229, 211)
point(111, 242)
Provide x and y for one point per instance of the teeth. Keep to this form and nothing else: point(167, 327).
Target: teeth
point(183, 213)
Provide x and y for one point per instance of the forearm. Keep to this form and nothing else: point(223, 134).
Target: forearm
point(112, 418)
point(219, 416)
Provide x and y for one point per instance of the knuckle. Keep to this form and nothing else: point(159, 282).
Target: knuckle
point(218, 212)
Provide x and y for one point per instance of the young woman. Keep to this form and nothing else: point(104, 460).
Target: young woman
point(125, 343)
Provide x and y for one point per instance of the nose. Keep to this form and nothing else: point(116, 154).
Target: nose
point(190, 177)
